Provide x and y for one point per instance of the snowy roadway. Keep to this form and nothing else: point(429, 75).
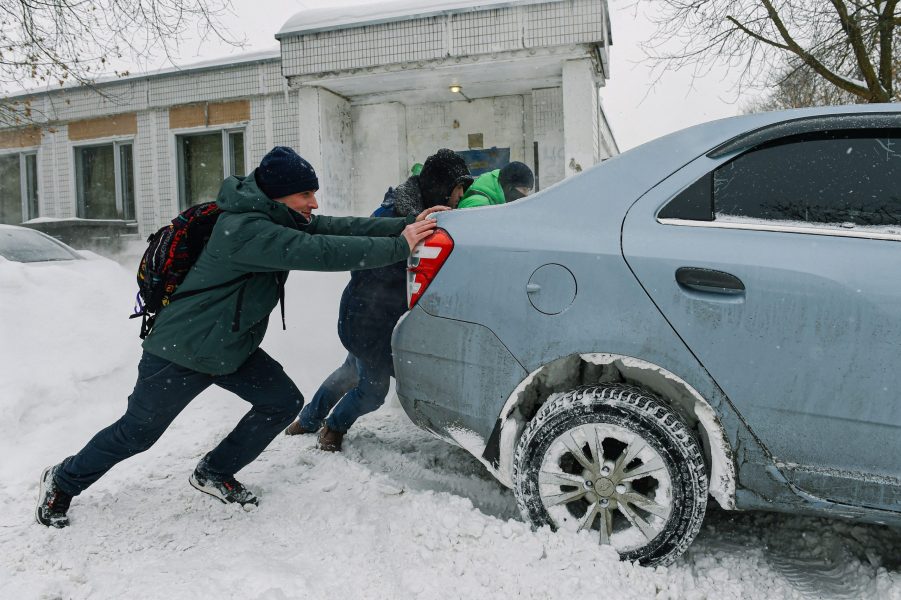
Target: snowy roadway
point(399, 514)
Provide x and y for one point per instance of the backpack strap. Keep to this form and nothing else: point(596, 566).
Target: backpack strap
point(281, 296)
point(146, 321)
point(146, 324)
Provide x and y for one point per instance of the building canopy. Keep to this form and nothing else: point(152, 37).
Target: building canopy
point(414, 51)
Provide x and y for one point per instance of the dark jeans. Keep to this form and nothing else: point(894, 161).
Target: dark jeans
point(163, 390)
point(355, 388)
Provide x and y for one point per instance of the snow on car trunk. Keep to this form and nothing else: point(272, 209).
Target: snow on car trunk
point(397, 514)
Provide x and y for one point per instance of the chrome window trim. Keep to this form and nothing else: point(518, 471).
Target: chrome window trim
point(806, 125)
point(850, 233)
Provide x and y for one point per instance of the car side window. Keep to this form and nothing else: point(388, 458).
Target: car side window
point(842, 179)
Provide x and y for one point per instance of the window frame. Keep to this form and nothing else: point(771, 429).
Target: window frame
point(25, 205)
point(117, 143)
point(784, 229)
point(225, 133)
point(772, 226)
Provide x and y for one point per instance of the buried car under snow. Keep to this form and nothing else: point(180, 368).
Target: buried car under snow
point(717, 311)
point(24, 245)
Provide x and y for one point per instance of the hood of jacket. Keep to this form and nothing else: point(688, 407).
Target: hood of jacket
point(408, 198)
point(242, 195)
point(489, 186)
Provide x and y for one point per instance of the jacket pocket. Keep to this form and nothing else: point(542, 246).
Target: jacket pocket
point(236, 321)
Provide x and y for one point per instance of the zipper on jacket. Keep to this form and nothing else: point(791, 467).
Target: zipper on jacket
point(236, 322)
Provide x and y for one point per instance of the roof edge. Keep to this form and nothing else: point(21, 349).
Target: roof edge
point(249, 58)
point(331, 19)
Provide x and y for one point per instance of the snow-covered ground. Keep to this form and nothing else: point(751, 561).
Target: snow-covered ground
point(399, 514)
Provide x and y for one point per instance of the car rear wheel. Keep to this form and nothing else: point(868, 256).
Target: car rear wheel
point(616, 462)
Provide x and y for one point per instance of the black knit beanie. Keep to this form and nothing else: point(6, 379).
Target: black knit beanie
point(514, 175)
point(283, 172)
point(440, 174)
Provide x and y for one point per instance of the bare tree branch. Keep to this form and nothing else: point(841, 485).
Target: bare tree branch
point(796, 85)
point(858, 46)
point(757, 36)
point(886, 46)
point(848, 44)
point(46, 43)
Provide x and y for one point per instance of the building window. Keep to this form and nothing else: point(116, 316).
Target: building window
point(104, 179)
point(18, 187)
point(204, 160)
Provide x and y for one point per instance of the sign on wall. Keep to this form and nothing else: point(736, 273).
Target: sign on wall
point(484, 160)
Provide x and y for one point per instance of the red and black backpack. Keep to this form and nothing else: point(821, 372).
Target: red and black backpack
point(170, 254)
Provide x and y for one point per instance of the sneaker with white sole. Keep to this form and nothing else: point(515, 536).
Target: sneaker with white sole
point(228, 490)
point(53, 503)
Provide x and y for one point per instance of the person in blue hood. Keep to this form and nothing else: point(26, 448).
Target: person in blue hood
point(371, 305)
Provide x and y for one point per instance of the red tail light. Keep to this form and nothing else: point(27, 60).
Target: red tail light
point(425, 262)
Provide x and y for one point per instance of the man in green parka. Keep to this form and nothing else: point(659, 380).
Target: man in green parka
point(500, 186)
point(212, 337)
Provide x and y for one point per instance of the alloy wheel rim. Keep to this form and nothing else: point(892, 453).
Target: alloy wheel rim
point(603, 478)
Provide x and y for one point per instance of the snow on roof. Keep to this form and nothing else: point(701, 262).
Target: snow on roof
point(224, 61)
point(341, 17)
point(206, 65)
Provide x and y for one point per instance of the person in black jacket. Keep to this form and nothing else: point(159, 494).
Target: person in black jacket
point(371, 305)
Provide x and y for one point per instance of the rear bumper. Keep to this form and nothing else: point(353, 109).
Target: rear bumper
point(453, 377)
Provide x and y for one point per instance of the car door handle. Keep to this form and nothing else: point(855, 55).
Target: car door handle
point(533, 288)
point(709, 280)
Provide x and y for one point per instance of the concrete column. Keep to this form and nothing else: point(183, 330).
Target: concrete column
point(308, 126)
point(325, 139)
point(49, 191)
point(547, 122)
point(580, 116)
point(336, 141)
point(380, 153)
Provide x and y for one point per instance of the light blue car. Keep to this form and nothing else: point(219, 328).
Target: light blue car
point(716, 312)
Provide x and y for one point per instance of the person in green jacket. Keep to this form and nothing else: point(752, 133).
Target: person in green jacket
point(500, 186)
point(266, 229)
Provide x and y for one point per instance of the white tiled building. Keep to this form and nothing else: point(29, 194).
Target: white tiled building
point(363, 94)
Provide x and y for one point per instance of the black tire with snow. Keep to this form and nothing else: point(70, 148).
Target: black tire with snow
point(641, 413)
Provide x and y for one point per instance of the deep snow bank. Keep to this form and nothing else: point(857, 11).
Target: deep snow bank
point(398, 514)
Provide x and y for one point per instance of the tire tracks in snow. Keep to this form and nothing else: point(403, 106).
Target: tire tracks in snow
point(388, 444)
point(832, 576)
point(815, 558)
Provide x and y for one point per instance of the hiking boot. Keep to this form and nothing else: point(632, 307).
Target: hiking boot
point(296, 428)
point(228, 490)
point(53, 503)
point(329, 440)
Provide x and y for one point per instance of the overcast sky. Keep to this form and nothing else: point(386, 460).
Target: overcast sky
point(636, 110)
